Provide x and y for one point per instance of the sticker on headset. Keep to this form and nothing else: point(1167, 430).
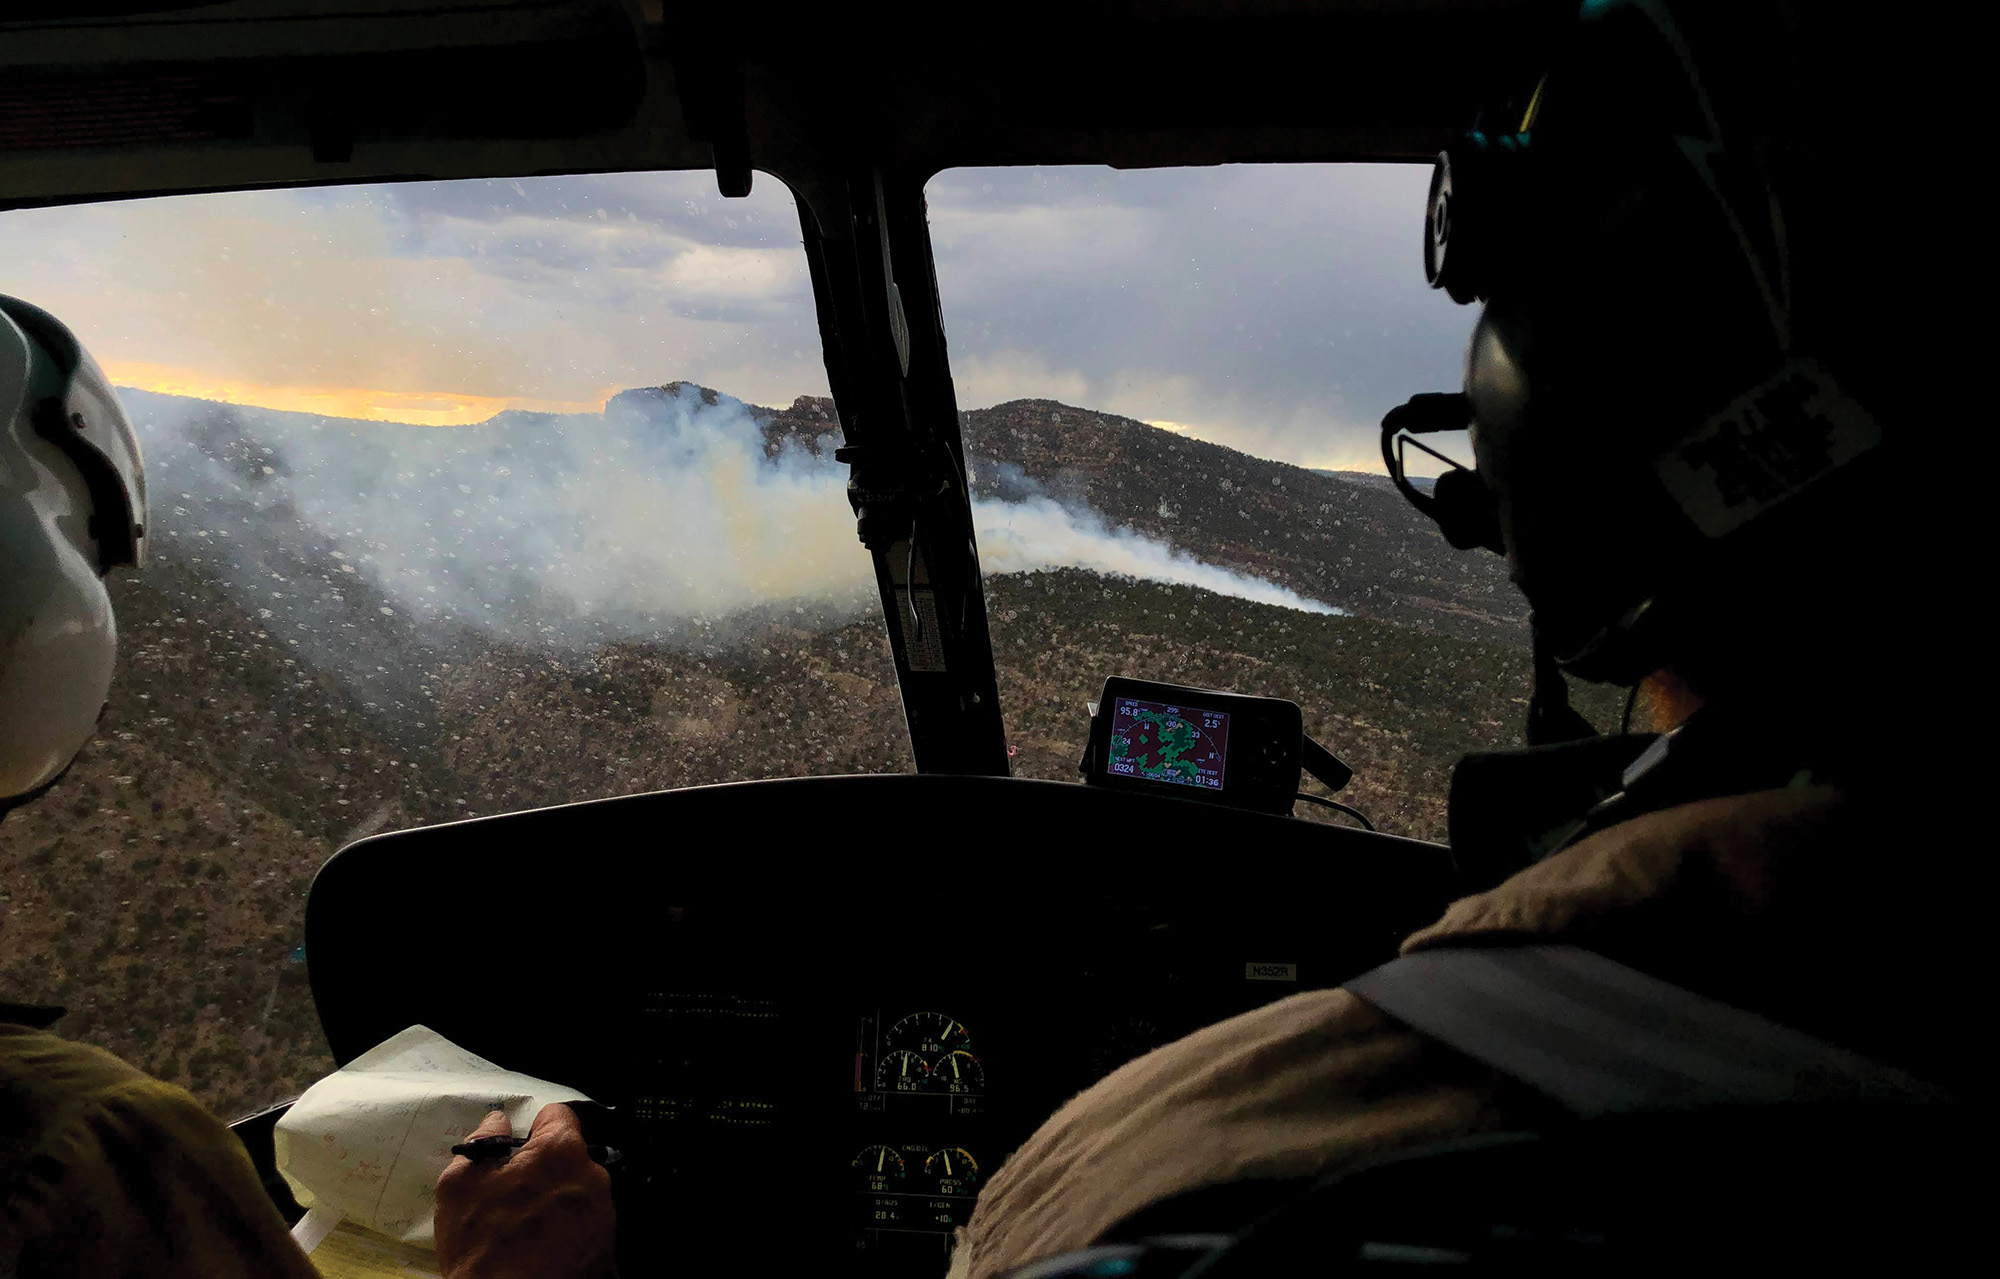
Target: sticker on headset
point(1768, 444)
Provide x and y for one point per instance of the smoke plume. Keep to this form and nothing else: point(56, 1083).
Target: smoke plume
point(665, 509)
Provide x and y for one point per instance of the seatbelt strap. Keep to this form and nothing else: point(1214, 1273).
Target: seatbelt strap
point(1601, 1038)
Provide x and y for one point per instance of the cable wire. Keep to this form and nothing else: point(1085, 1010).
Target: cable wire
point(1355, 813)
point(910, 585)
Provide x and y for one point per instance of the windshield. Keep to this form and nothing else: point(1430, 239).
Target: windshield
point(466, 498)
point(1179, 378)
point(479, 496)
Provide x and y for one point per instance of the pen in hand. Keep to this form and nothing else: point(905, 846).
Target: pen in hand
point(498, 1147)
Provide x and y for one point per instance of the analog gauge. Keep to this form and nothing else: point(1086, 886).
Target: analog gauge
point(929, 1034)
point(958, 1072)
point(902, 1071)
point(953, 1171)
point(879, 1170)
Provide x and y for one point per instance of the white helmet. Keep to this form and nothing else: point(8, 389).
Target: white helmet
point(72, 508)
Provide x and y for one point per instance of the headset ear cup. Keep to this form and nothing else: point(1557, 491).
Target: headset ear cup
point(1452, 231)
point(1466, 511)
point(1472, 221)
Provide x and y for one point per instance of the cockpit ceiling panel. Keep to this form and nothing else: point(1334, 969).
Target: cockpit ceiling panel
point(113, 99)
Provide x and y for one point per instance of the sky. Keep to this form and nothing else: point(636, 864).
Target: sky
point(1276, 309)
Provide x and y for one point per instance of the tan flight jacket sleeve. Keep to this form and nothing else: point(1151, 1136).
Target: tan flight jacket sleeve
point(109, 1172)
point(1768, 886)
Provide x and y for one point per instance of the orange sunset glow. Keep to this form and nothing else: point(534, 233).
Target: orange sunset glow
point(422, 408)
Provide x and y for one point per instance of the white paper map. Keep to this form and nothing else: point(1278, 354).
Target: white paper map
point(369, 1140)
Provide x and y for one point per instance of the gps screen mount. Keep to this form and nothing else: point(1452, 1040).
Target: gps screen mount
point(1203, 745)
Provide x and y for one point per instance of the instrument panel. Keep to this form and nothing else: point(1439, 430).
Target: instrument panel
point(739, 1110)
point(788, 1100)
point(877, 1123)
point(920, 1096)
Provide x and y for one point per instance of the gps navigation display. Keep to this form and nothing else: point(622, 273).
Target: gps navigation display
point(1165, 743)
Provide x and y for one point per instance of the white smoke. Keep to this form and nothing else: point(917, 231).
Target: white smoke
point(662, 509)
point(1038, 532)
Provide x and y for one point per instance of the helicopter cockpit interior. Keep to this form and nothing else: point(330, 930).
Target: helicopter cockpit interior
point(855, 1053)
point(820, 1010)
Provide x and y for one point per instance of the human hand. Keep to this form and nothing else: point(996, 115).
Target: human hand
point(543, 1213)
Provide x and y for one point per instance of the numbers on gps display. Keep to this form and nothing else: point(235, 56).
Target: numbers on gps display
point(1165, 743)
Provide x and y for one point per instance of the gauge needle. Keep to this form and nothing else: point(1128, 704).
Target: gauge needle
point(947, 1163)
point(906, 1065)
point(954, 1075)
point(881, 1159)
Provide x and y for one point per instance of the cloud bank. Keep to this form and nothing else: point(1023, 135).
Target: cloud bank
point(551, 292)
point(1277, 309)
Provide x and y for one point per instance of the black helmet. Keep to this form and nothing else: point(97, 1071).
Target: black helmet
point(1683, 381)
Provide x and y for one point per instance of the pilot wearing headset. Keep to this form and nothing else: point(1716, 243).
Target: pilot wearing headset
point(103, 1170)
point(1692, 393)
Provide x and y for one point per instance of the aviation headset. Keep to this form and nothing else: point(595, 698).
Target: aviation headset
point(72, 508)
point(1652, 375)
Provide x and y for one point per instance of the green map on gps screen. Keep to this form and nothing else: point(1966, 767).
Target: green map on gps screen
point(1163, 743)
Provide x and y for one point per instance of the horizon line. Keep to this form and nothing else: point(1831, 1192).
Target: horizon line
point(446, 409)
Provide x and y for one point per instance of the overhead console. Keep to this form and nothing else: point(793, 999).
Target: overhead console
point(824, 1011)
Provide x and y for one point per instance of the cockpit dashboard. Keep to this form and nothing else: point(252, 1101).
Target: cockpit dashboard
point(823, 1012)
